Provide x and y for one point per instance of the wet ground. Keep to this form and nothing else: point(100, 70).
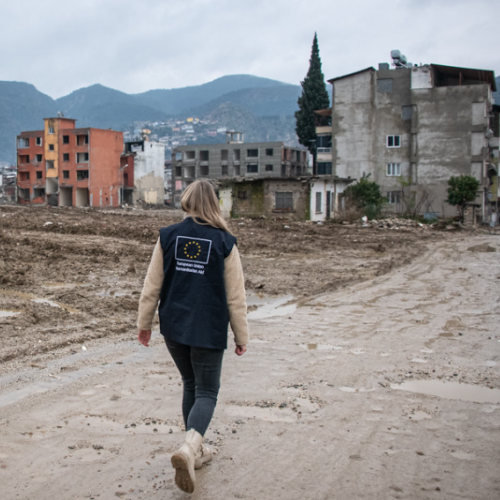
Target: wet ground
point(372, 371)
point(68, 276)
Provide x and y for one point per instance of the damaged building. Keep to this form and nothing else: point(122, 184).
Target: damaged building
point(235, 160)
point(411, 128)
point(142, 168)
point(66, 166)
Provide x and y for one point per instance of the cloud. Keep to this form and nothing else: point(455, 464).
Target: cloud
point(132, 46)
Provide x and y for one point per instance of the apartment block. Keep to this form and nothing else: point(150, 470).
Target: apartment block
point(411, 128)
point(235, 160)
point(62, 165)
point(142, 170)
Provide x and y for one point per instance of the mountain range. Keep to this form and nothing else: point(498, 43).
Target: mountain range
point(254, 102)
point(260, 107)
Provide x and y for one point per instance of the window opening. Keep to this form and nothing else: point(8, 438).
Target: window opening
point(65, 156)
point(39, 175)
point(65, 174)
point(82, 175)
point(393, 141)
point(24, 142)
point(393, 169)
point(269, 168)
point(284, 200)
point(81, 140)
point(252, 168)
point(82, 157)
point(269, 152)
point(393, 197)
point(318, 202)
point(252, 153)
point(324, 168)
point(406, 112)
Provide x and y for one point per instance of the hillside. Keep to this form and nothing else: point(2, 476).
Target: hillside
point(275, 100)
point(177, 101)
point(102, 107)
point(23, 107)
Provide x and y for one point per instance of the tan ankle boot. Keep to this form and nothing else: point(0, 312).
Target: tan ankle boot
point(203, 455)
point(183, 461)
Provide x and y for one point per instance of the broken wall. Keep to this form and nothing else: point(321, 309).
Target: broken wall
point(149, 174)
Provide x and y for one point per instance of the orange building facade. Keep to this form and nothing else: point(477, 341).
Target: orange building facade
point(62, 165)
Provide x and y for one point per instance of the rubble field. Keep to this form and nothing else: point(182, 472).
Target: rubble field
point(70, 275)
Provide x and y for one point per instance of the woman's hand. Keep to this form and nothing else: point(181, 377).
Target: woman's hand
point(144, 337)
point(240, 350)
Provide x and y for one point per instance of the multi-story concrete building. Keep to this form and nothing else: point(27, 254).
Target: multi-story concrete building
point(235, 159)
point(67, 166)
point(142, 170)
point(412, 128)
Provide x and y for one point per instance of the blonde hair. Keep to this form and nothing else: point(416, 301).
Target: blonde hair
point(199, 201)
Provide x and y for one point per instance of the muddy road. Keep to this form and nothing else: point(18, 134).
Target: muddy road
point(373, 370)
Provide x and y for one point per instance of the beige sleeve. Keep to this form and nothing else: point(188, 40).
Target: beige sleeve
point(236, 300)
point(151, 290)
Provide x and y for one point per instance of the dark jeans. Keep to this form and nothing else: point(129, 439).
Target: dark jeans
point(200, 370)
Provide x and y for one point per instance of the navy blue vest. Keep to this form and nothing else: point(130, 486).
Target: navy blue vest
point(193, 305)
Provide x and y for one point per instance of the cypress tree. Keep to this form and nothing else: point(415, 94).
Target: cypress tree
point(314, 97)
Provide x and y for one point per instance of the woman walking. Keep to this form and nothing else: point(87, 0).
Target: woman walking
point(196, 276)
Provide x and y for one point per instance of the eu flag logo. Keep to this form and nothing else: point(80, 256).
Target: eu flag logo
point(192, 249)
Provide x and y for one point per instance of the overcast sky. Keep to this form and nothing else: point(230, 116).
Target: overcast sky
point(137, 45)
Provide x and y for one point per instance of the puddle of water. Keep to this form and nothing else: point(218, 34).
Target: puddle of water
point(59, 285)
point(269, 307)
point(38, 300)
point(419, 360)
point(56, 304)
point(355, 389)
point(265, 414)
point(111, 293)
point(451, 390)
point(321, 347)
point(8, 314)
